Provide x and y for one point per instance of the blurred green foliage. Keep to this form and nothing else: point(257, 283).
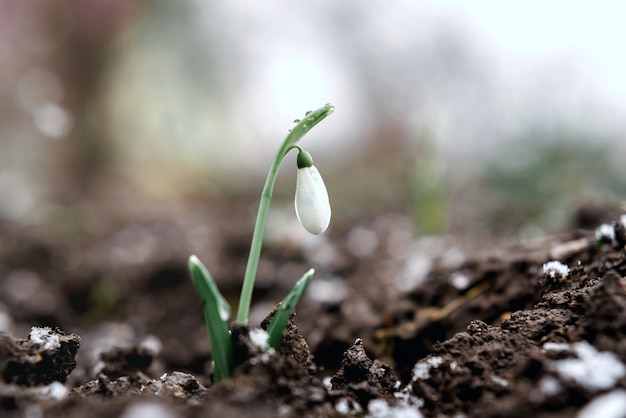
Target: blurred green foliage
point(430, 191)
point(542, 178)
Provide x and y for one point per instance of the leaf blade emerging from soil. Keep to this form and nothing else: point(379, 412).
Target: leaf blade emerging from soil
point(278, 323)
point(216, 315)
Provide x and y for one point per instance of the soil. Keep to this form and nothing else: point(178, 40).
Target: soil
point(105, 323)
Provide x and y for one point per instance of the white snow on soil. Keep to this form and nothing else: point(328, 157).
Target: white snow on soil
point(259, 337)
point(379, 408)
point(605, 231)
point(421, 371)
point(148, 409)
point(592, 369)
point(609, 405)
point(346, 407)
point(44, 337)
point(555, 269)
point(55, 390)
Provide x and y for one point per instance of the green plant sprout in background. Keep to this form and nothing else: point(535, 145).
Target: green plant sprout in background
point(313, 211)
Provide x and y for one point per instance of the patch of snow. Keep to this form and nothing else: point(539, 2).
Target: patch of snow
point(153, 344)
point(499, 381)
point(378, 408)
point(556, 347)
point(342, 406)
point(55, 390)
point(45, 338)
point(459, 280)
point(326, 382)
point(284, 410)
point(259, 337)
point(555, 269)
point(609, 405)
point(416, 270)
point(264, 357)
point(605, 232)
point(550, 386)
point(547, 387)
point(421, 370)
point(147, 409)
point(406, 398)
point(331, 290)
point(593, 370)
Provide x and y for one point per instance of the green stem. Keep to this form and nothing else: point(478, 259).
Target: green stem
point(304, 126)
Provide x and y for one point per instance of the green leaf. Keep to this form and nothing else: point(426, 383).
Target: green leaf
point(216, 316)
point(283, 313)
point(305, 125)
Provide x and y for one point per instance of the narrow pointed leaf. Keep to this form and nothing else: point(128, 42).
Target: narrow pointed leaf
point(216, 315)
point(278, 323)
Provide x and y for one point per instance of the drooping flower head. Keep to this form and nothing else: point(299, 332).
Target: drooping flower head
point(312, 204)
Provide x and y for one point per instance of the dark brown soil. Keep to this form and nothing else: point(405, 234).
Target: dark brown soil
point(411, 328)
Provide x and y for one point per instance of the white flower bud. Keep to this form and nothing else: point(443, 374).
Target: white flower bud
point(312, 204)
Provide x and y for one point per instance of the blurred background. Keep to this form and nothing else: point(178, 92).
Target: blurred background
point(475, 119)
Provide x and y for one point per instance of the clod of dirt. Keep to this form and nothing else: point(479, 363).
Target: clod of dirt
point(273, 377)
point(107, 388)
point(33, 371)
point(179, 385)
point(47, 356)
point(549, 359)
point(14, 398)
point(133, 398)
point(132, 361)
point(605, 319)
point(362, 378)
point(471, 366)
point(293, 343)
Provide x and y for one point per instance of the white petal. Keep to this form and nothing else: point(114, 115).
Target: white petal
point(312, 205)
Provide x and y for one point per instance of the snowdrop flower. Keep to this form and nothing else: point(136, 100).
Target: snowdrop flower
point(312, 204)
